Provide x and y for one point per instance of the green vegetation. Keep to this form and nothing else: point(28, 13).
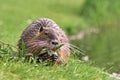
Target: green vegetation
point(14, 66)
point(73, 70)
point(73, 16)
point(103, 48)
point(16, 15)
point(101, 12)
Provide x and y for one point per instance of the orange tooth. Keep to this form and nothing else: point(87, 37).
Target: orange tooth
point(53, 49)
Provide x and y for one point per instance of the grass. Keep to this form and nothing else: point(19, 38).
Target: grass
point(72, 16)
point(13, 66)
point(75, 69)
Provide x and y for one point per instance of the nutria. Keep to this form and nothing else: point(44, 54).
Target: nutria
point(45, 33)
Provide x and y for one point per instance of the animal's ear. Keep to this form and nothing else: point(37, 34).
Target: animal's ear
point(41, 29)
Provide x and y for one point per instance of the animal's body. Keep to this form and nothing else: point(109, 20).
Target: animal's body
point(45, 33)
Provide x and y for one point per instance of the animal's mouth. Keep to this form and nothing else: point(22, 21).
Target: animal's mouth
point(56, 47)
point(53, 49)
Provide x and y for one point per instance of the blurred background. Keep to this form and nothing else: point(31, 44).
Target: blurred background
point(92, 25)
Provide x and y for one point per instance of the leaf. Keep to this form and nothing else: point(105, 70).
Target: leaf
point(11, 51)
point(58, 47)
point(23, 48)
point(0, 46)
point(3, 51)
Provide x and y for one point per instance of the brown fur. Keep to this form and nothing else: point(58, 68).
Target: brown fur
point(40, 33)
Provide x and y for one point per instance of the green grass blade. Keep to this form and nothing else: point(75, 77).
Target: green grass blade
point(23, 48)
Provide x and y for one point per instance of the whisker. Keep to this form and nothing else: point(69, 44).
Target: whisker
point(75, 50)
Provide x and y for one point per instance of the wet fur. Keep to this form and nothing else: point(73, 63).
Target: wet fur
point(36, 39)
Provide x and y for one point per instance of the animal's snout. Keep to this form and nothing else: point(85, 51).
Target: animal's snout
point(54, 43)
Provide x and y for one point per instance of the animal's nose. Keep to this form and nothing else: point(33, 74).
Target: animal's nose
point(54, 43)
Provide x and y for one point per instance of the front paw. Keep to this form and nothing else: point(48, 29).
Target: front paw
point(43, 57)
point(54, 57)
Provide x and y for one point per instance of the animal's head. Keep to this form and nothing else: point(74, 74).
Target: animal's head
point(48, 34)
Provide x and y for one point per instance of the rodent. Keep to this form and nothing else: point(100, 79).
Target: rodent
point(41, 34)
